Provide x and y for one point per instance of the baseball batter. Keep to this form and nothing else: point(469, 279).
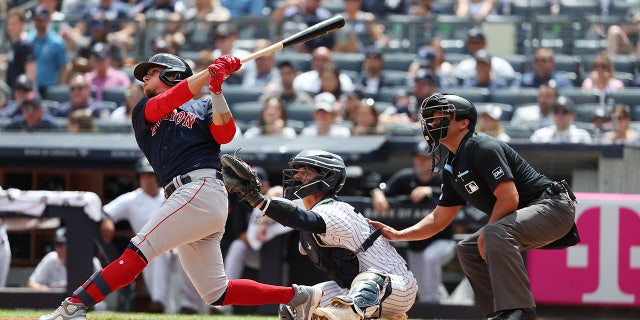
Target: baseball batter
point(136, 207)
point(181, 137)
point(369, 278)
point(526, 209)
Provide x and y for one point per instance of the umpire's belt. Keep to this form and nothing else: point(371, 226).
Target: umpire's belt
point(556, 189)
point(179, 181)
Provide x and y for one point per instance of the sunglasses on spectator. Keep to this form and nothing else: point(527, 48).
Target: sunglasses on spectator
point(30, 109)
point(74, 88)
point(561, 111)
point(599, 65)
point(542, 60)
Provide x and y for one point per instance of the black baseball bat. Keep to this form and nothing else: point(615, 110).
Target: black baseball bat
point(315, 31)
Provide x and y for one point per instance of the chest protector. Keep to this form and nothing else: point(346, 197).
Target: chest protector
point(340, 264)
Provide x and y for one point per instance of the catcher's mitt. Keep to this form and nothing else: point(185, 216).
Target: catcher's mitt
point(240, 178)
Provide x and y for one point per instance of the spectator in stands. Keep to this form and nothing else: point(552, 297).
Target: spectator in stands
point(162, 8)
point(272, 121)
point(21, 58)
point(420, 185)
point(543, 72)
point(330, 81)
point(484, 76)
point(21, 87)
point(205, 58)
point(384, 8)
point(244, 8)
point(619, 35)
point(201, 19)
point(225, 43)
point(324, 116)
point(539, 115)
point(104, 76)
point(406, 105)
point(422, 8)
point(308, 11)
point(136, 207)
point(477, 10)
point(563, 130)
point(266, 71)
point(372, 78)
point(51, 271)
point(80, 98)
point(131, 98)
point(602, 78)
point(431, 56)
point(620, 123)
point(490, 123)
point(350, 104)
point(34, 116)
point(365, 119)
point(466, 68)
point(309, 81)
point(285, 90)
point(5, 255)
point(105, 21)
point(50, 50)
point(600, 124)
point(80, 121)
point(361, 30)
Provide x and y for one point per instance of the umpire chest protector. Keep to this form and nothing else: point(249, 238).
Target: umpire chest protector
point(340, 264)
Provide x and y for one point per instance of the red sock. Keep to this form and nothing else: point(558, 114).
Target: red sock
point(117, 274)
point(243, 292)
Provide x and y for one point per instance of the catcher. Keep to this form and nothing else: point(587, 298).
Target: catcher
point(369, 278)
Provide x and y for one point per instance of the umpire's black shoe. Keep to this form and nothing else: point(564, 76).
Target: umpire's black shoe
point(515, 314)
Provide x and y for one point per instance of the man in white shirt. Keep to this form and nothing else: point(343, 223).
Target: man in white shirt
point(324, 116)
point(500, 68)
point(563, 130)
point(309, 81)
point(538, 115)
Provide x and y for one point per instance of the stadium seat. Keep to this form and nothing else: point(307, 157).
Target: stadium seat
point(507, 109)
point(579, 8)
point(236, 94)
point(586, 111)
point(302, 61)
point(473, 94)
point(348, 61)
point(300, 112)
point(116, 95)
point(529, 8)
point(514, 96)
point(58, 93)
point(628, 96)
point(398, 61)
point(579, 95)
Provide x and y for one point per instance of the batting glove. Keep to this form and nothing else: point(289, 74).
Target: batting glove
point(220, 70)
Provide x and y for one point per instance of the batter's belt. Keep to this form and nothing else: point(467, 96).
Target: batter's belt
point(179, 181)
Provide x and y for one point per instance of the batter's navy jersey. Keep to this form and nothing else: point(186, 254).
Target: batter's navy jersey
point(171, 146)
point(480, 164)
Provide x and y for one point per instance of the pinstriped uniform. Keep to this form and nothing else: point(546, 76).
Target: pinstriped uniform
point(349, 229)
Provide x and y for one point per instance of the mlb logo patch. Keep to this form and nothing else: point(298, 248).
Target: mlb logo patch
point(471, 187)
point(497, 173)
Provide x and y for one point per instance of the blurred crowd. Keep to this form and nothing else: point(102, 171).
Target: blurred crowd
point(69, 67)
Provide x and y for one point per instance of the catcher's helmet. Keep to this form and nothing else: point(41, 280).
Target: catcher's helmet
point(446, 105)
point(331, 174)
point(143, 166)
point(173, 65)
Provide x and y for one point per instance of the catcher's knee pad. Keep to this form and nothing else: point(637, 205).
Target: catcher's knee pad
point(368, 290)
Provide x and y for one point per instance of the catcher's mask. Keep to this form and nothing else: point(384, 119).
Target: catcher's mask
point(330, 169)
point(175, 69)
point(437, 111)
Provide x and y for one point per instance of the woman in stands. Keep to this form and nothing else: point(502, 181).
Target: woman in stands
point(272, 122)
point(602, 78)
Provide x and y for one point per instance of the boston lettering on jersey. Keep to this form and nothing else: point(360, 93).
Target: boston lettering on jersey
point(183, 118)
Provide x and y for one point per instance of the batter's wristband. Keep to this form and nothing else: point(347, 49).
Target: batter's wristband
point(219, 103)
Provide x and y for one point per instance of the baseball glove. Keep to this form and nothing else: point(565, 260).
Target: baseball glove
point(240, 178)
